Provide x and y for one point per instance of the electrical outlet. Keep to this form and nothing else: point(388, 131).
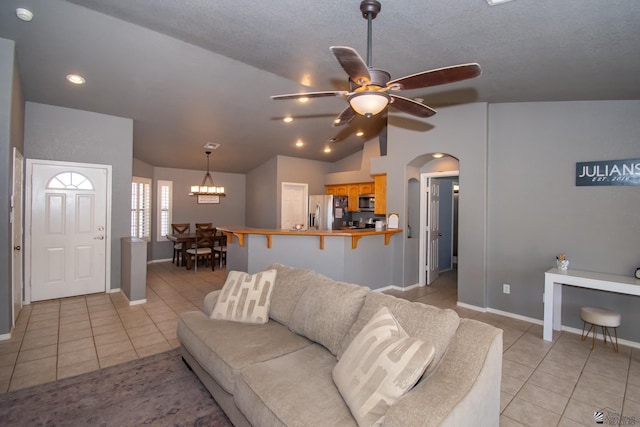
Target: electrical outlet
point(506, 289)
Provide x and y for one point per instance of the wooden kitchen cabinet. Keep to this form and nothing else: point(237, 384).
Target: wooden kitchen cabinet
point(337, 189)
point(366, 188)
point(380, 194)
point(353, 191)
point(341, 190)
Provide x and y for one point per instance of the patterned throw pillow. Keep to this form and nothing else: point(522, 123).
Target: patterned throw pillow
point(379, 366)
point(245, 297)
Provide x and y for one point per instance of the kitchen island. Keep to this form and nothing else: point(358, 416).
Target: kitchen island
point(360, 256)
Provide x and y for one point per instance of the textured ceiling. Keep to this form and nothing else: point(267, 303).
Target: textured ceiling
point(189, 72)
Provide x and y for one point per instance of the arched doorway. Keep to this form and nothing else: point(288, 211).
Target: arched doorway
point(427, 248)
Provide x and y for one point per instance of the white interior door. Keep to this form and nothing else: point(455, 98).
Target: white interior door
point(16, 234)
point(294, 208)
point(433, 230)
point(69, 235)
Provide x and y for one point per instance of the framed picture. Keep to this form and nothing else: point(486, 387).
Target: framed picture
point(203, 198)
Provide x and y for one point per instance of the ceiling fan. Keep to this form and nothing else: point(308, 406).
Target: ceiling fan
point(371, 87)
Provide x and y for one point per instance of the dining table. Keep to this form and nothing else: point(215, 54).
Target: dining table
point(189, 239)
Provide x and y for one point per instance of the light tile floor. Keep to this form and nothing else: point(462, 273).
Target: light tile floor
point(559, 383)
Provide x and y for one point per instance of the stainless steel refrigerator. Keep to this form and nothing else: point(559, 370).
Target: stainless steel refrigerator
point(327, 212)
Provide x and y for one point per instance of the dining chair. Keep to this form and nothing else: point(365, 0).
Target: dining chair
point(220, 249)
point(202, 249)
point(203, 225)
point(179, 228)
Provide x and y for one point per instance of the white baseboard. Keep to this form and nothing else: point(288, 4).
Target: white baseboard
point(599, 337)
point(113, 291)
point(134, 302)
point(396, 288)
point(154, 261)
point(5, 337)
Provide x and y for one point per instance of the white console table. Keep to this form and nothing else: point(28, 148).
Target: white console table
point(555, 278)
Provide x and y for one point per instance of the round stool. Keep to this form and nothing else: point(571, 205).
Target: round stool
point(603, 318)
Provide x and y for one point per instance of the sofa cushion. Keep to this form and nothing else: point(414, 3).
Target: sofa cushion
point(380, 365)
point(223, 347)
point(245, 297)
point(430, 324)
point(326, 310)
point(292, 390)
point(289, 286)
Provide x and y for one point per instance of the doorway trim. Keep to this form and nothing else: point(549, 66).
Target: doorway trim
point(294, 187)
point(424, 188)
point(17, 210)
point(27, 222)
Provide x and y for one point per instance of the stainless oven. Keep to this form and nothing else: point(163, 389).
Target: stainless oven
point(366, 202)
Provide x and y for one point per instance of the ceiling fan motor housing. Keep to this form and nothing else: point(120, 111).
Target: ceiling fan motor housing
point(370, 8)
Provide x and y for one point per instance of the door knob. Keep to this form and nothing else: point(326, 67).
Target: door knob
point(17, 248)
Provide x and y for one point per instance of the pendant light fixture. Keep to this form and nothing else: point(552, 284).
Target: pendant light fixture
point(207, 188)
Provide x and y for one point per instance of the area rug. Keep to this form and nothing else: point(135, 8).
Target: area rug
point(157, 390)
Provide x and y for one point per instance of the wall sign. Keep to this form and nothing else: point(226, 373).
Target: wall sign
point(608, 172)
point(205, 198)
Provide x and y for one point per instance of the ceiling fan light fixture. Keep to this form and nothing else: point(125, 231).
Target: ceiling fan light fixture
point(369, 103)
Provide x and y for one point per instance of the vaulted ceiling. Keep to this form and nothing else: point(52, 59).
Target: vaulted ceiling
point(198, 71)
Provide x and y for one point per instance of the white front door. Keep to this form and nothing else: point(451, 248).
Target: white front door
point(433, 230)
point(69, 233)
point(16, 233)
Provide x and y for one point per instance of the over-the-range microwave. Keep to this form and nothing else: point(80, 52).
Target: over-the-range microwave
point(366, 202)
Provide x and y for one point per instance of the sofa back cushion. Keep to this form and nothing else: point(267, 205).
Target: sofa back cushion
point(288, 288)
point(326, 311)
point(430, 324)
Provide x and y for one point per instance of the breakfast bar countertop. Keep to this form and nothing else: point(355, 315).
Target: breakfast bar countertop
point(355, 233)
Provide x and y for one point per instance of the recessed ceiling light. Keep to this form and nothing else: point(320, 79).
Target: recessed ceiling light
point(303, 99)
point(495, 2)
point(327, 149)
point(437, 155)
point(24, 14)
point(299, 143)
point(287, 119)
point(359, 133)
point(337, 121)
point(76, 79)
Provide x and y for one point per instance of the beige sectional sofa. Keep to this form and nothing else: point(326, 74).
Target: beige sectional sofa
point(280, 373)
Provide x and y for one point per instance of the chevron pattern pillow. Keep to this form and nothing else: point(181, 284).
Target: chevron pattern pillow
point(245, 297)
point(379, 366)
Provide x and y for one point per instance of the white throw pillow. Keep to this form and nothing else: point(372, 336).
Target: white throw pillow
point(245, 297)
point(379, 366)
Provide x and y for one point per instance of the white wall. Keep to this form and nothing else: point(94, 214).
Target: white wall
point(518, 203)
point(461, 132)
point(65, 134)
point(186, 209)
point(536, 211)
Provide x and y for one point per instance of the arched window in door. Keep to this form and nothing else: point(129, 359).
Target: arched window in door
point(70, 181)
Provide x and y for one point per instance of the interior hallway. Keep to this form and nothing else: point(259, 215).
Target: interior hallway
point(543, 384)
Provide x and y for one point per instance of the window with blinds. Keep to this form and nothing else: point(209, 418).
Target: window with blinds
point(141, 208)
point(165, 203)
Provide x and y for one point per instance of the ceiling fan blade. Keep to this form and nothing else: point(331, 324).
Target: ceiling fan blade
point(345, 117)
point(436, 77)
point(410, 106)
point(311, 94)
point(353, 64)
